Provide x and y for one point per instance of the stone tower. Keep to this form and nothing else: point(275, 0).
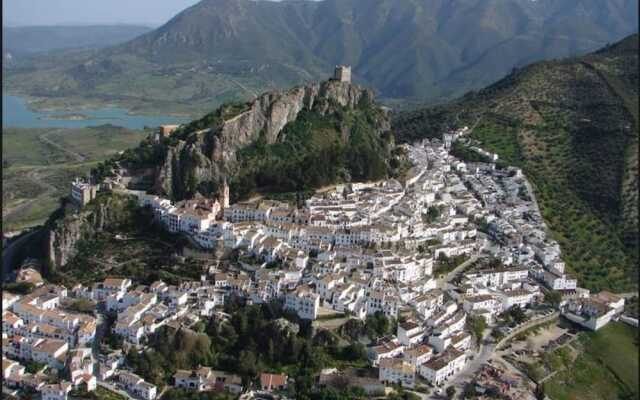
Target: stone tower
point(342, 73)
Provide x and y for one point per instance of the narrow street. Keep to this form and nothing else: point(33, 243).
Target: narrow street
point(480, 358)
point(101, 328)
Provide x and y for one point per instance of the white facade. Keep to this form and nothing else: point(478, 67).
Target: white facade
point(304, 302)
point(443, 367)
point(397, 371)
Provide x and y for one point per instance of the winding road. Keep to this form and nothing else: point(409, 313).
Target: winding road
point(45, 138)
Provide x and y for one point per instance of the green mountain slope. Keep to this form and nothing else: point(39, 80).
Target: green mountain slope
point(424, 50)
point(572, 125)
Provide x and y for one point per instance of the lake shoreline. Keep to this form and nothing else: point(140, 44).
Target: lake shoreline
point(65, 117)
point(22, 112)
point(36, 105)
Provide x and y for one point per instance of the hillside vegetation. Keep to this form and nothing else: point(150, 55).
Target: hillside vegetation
point(315, 152)
point(420, 50)
point(572, 125)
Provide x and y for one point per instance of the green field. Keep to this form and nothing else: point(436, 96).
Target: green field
point(606, 370)
point(38, 164)
point(104, 394)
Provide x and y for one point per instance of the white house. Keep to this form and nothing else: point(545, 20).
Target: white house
point(418, 355)
point(51, 352)
point(439, 369)
point(384, 349)
point(137, 386)
point(410, 333)
point(517, 297)
point(206, 379)
point(397, 371)
point(56, 391)
point(304, 302)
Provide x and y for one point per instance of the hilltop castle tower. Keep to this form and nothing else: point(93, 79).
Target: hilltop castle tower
point(342, 73)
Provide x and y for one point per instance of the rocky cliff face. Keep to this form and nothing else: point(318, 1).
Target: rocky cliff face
point(201, 159)
point(63, 234)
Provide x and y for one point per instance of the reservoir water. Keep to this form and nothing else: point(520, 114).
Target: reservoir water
point(16, 113)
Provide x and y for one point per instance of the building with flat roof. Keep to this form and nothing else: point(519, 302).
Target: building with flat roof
point(83, 192)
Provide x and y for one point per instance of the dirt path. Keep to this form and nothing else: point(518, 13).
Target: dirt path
point(243, 87)
point(45, 138)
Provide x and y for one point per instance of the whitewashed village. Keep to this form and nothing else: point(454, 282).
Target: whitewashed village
point(357, 250)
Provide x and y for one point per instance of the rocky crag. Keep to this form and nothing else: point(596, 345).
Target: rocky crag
point(332, 117)
point(199, 156)
point(64, 232)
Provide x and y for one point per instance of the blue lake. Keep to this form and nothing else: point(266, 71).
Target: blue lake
point(16, 113)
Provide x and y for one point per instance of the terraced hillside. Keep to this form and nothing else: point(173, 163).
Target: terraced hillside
point(572, 125)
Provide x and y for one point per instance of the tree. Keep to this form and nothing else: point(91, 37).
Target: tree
point(478, 326)
point(432, 215)
point(23, 288)
point(354, 352)
point(539, 393)
point(553, 297)
point(451, 391)
point(32, 367)
point(353, 329)
point(517, 314)
point(469, 390)
point(271, 353)
point(377, 325)
point(247, 366)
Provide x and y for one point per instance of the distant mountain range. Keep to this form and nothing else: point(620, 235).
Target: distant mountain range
point(36, 39)
point(419, 50)
point(572, 126)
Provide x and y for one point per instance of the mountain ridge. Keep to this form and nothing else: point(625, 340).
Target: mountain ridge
point(425, 50)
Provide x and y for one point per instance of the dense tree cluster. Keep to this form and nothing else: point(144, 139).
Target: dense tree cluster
point(314, 151)
point(514, 316)
point(465, 153)
point(255, 339)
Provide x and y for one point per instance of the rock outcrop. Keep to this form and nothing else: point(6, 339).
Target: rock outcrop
point(201, 159)
point(63, 234)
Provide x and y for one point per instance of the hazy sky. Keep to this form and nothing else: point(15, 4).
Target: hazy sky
point(75, 12)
